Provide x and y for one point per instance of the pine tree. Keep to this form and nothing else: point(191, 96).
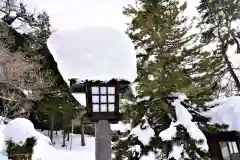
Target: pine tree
point(169, 60)
point(218, 31)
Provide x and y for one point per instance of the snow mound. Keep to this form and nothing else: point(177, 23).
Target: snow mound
point(226, 111)
point(93, 53)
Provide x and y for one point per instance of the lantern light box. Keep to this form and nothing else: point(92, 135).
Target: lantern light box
point(102, 59)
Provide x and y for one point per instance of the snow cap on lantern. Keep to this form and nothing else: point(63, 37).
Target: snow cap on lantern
point(93, 53)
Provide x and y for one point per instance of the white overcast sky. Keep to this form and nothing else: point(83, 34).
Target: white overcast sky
point(70, 14)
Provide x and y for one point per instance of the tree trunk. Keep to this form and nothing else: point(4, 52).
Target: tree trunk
point(82, 135)
point(224, 47)
point(68, 135)
point(230, 68)
point(64, 139)
point(56, 132)
point(51, 127)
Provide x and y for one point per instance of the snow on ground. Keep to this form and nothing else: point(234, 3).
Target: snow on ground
point(45, 151)
point(19, 129)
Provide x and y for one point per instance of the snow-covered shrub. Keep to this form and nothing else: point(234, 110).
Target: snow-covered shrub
point(19, 132)
point(20, 151)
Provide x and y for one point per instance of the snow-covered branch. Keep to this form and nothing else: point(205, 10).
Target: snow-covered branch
point(183, 118)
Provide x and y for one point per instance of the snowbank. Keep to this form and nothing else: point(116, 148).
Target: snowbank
point(226, 111)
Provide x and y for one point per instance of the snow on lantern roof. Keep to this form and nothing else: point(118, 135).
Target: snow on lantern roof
point(93, 53)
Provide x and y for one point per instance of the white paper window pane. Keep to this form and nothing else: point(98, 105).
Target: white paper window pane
point(103, 99)
point(103, 108)
point(235, 148)
point(111, 90)
point(95, 108)
point(230, 147)
point(224, 150)
point(95, 90)
point(111, 99)
point(103, 90)
point(111, 107)
point(95, 99)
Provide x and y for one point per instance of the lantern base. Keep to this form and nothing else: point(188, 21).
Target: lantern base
point(112, 118)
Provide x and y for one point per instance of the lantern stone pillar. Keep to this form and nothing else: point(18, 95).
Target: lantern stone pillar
point(103, 140)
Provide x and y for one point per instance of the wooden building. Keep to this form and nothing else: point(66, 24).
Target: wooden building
point(224, 145)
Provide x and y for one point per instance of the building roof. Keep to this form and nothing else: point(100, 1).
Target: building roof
point(225, 111)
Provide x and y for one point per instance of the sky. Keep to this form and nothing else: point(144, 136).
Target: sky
point(71, 14)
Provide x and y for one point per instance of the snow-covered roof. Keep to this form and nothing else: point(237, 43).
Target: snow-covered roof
point(93, 53)
point(226, 111)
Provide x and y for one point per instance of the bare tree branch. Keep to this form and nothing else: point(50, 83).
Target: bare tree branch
point(21, 74)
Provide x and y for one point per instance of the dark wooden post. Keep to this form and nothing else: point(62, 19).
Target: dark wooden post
point(82, 133)
point(51, 127)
